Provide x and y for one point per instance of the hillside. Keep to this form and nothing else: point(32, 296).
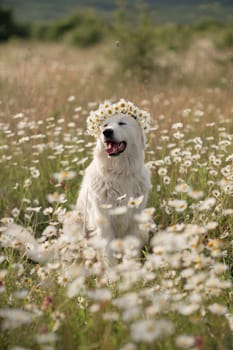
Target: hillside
point(162, 11)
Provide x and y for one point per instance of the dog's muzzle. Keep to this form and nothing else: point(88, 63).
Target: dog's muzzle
point(113, 147)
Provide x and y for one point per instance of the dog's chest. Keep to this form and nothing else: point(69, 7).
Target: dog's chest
point(116, 191)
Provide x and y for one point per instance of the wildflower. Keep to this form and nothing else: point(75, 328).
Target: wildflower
point(186, 112)
point(166, 180)
point(63, 280)
point(110, 316)
point(101, 295)
point(144, 216)
point(94, 308)
point(14, 318)
point(47, 301)
point(35, 173)
point(71, 98)
point(46, 338)
point(128, 346)
point(182, 188)
point(195, 194)
point(162, 171)
point(135, 202)
point(219, 268)
point(49, 231)
point(27, 183)
point(187, 163)
point(72, 230)
point(18, 116)
point(131, 314)
point(64, 175)
point(211, 225)
point(89, 253)
point(131, 245)
point(33, 209)
point(22, 294)
point(58, 317)
point(187, 273)
point(217, 309)
point(207, 204)
point(76, 287)
point(185, 341)
point(187, 309)
point(227, 212)
point(216, 193)
point(127, 300)
point(15, 212)
point(179, 205)
point(117, 246)
point(214, 285)
point(150, 330)
point(177, 125)
point(48, 211)
point(178, 135)
point(56, 197)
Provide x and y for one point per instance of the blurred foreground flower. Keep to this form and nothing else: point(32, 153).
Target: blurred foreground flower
point(56, 197)
point(14, 318)
point(64, 175)
point(150, 330)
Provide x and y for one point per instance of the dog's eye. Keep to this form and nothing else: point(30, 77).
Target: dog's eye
point(105, 125)
point(121, 123)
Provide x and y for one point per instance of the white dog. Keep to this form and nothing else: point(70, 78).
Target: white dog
point(116, 175)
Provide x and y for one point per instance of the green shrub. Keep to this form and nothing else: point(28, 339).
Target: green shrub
point(9, 27)
point(225, 38)
point(208, 24)
point(82, 28)
point(136, 44)
point(85, 36)
point(59, 28)
point(173, 36)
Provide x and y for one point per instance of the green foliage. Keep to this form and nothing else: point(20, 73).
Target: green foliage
point(136, 44)
point(86, 36)
point(83, 28)
point(207, 24)
point(9, 27)
point(174, 36)
point(225, 37)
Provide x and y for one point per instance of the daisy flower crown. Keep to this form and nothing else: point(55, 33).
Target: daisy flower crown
point(108, 109)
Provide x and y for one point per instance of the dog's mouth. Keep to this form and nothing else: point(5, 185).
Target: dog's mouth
point(115, 148)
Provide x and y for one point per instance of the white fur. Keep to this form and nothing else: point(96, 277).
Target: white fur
point(108, 178)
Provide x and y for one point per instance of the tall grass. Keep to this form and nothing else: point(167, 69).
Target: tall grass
point(179, 295)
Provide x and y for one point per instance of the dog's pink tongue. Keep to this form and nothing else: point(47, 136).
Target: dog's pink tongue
point(111, 148)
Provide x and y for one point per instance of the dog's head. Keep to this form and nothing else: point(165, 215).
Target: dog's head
point(121, 135)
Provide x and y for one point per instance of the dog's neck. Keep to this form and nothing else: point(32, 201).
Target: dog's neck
point(121, 165)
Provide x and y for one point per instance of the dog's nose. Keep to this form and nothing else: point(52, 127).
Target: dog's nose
point(108, 133)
